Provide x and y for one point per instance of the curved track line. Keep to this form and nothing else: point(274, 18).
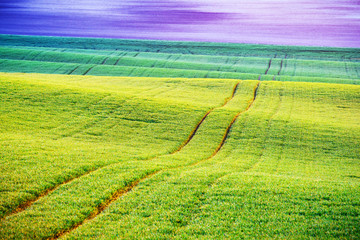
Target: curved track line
point(88, 70)
point(25, 205)
point(28, 203)
point(132, 185)
point(73, 70)
point(281, 66)
point(227, 131)
point(115, 196)
point(267, 70)
point(104, 61)
point(234, 119)
point(192, 134)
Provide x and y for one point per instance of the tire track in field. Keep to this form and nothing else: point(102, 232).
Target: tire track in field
point(87, 71)
point(281, 65)
point(192, 134)
point(230, 172)
point(269, 66)
point(285, 137)
point(91, 58)
point(115, 196)
point(28, 203)
point(37, 55)
point(121, 192)
point(104, 61)
point(118, 60)
point(227, 131)
point(73, 70)
point(27, 54)
point(23, 206)
point(54, 72)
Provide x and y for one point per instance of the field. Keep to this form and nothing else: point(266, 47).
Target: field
point(122, 139)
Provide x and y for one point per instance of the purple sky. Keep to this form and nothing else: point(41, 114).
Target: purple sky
point(288, 22)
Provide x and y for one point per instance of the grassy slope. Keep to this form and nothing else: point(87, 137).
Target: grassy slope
point(289, 167)
point(76, 144)
point(288, 170)
point(55, 127)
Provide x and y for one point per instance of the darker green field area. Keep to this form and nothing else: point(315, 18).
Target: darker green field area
point(109, 57)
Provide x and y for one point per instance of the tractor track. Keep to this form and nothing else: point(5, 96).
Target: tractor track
point(87, 71)
point(227, 131)
point(73, 70)
point(192, 134)
point(99, 209)
point(121, 192)
point(104, 61)
point(27, 204)
point(269, 66)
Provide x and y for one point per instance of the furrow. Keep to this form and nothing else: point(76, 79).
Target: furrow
point(117, 61)
point(104, 205)
point(27, 204)
point(103, 62)
point(267, 70)
point(121, 192)
point(192, 134)
point(234, 119)
point(281, 65)
point(73, 70)
point(88, 70)
point(227, 131)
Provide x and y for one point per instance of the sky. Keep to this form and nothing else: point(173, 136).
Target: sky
point(286, 22)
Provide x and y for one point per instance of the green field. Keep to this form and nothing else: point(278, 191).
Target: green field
point(264, 145)
point(111, 57)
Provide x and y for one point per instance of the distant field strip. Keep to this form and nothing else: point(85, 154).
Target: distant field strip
point(290, 63)
point(172, 47)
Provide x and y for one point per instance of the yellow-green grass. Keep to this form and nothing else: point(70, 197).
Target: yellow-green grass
point(55, 127)
point(78, 133)
point(289, 170)
point(289, 167)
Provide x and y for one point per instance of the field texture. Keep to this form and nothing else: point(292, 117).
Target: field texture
point(112, 57)
point(133, 157)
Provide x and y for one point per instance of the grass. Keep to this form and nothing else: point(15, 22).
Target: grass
point(280, 175)
point(288, 168)
point(192, 141)
point(109, 57)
